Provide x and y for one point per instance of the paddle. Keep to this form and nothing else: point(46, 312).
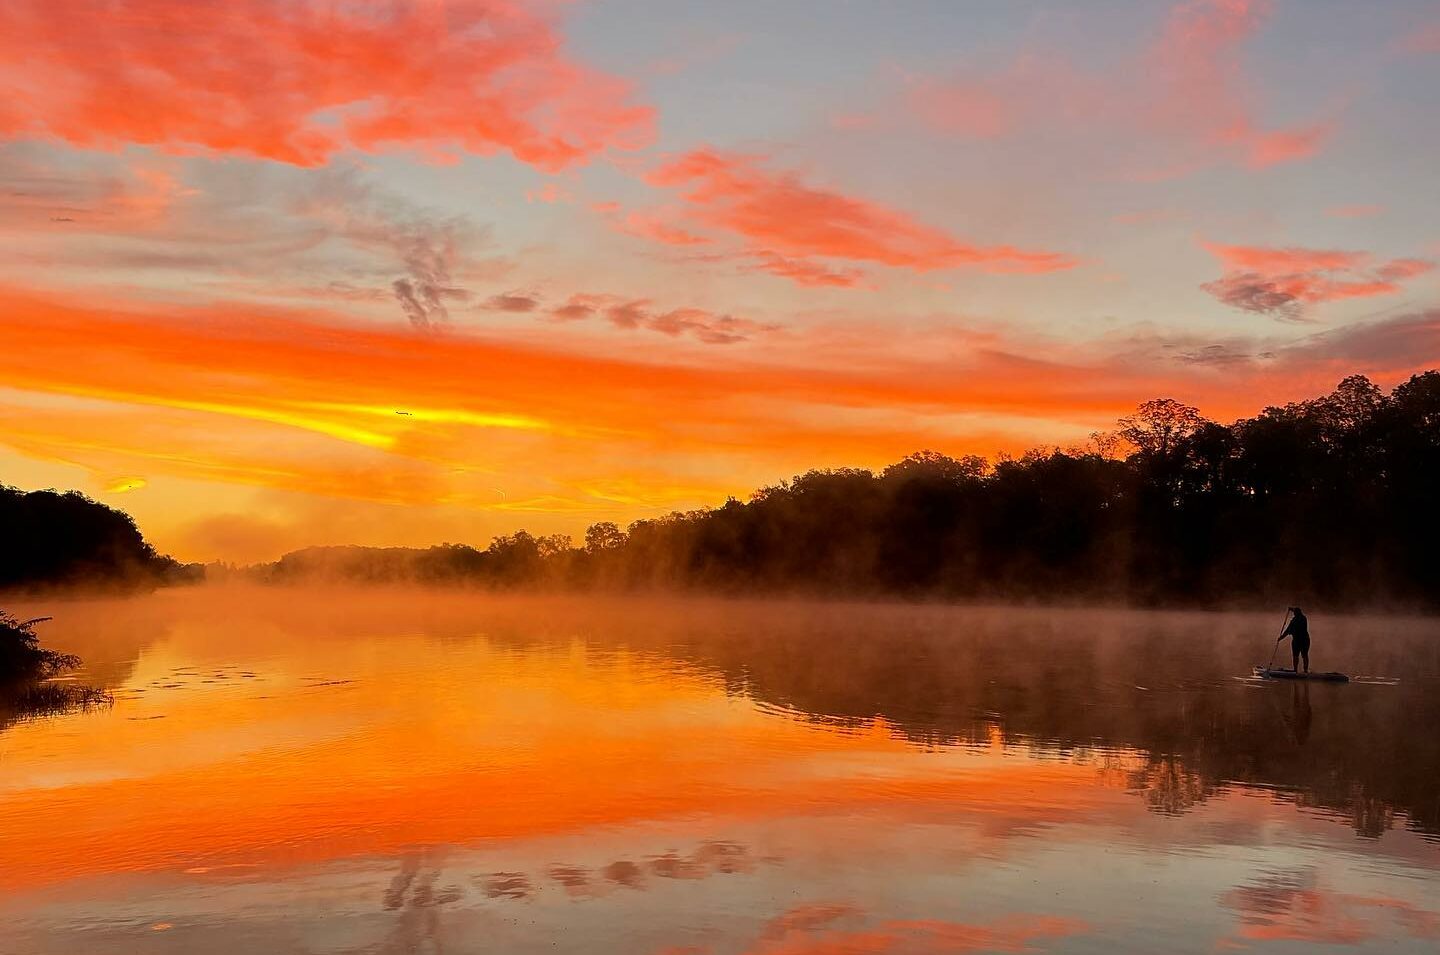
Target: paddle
point(1283, 624)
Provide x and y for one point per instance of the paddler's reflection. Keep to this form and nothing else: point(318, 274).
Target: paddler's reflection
point(1300, 710)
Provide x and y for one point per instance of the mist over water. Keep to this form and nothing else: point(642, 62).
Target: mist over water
point(391, 770)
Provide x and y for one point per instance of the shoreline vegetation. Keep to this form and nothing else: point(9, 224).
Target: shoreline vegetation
point(22, 657)
point(1327, 501)
point(28, 688)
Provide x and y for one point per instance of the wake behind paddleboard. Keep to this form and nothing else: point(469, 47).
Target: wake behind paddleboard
point(1269, 674)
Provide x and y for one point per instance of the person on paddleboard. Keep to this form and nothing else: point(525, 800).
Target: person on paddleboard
point(1298, 630)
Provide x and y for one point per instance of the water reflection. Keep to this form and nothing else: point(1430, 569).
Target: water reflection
point(27, 700)
point(1065, 684)
point(1297, 905)
point(390, 772)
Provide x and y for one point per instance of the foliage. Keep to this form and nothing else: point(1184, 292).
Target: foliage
point(26, 692)
point(22, 657)
point(1326, 501)
point(49, 538)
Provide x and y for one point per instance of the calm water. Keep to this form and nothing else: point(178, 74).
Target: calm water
point(343, 772)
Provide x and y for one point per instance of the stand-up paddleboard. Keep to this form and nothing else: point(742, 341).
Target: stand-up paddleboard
point(1271, 674)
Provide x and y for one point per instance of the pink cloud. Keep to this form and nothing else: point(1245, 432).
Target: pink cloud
point(1205, 95)
point(550, 193)
point(656, 229)
point(1286, 145)
point(779, 213)
point(1424, 40)
point(1282, 281)
point(1195, 103)
point(1355, 211)
point(801, 272)
point(297, 83)
point(854, 121)
point(972, 108)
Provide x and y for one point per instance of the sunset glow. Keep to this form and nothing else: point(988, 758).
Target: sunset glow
point(296, 273)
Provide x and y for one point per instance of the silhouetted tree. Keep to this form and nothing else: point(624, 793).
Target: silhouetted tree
point(605, 535)
point(1327, 500)
point(50, 538)
point(1159, 425)
point(22, 657)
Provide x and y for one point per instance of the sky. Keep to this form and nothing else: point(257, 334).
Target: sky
point(277, 273)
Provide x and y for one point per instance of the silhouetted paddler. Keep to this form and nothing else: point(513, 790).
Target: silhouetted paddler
point(1298, 630)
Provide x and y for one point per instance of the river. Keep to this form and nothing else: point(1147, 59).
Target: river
point(388, 771)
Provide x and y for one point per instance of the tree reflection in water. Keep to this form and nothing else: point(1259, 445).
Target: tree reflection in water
point(1069, 683)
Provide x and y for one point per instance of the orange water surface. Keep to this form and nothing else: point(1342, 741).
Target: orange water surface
point(347, 771)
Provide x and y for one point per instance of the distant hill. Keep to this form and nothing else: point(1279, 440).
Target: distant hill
point(517, 558)
point(61, 539)
point(371, 564)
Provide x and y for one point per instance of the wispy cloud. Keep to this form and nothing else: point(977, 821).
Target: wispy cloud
point(701, 324)
point(426, 288)
point(1355, 211)
point(1195, 108)
point(801, 271)
point(1425, 39)
point(1205, 96)
point(428, 248)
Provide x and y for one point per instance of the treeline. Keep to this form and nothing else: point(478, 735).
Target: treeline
point(52, 539)
point(1328, 501)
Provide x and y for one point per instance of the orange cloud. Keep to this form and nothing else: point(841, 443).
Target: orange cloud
point(121, 485)
point(801, 272)
point(1282, 281)
point(781, 215)
point(659, 227)
point(1285, 145)
point(307, 370)
point(281, 360)
point(301, 401)
point(299, 82)
point(1272, 261)
point(657, 230)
